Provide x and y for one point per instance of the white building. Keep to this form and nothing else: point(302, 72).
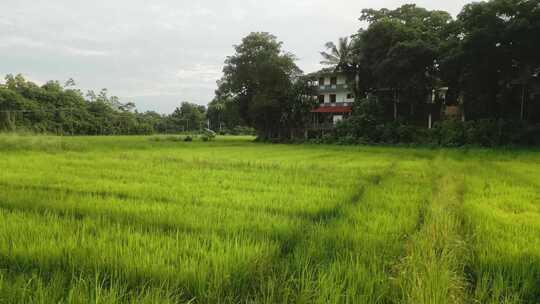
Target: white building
point(335, 98)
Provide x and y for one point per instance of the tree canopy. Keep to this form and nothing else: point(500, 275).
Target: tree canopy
point(264, 80)
point(497, 54)
point(63, 109)
point(401, 48)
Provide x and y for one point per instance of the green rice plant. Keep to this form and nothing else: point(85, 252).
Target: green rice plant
point(152, 220)
point(502, 213)
point(433, 270)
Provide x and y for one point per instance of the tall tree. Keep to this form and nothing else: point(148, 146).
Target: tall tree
point(341, 57)
point(223, 112)
point(188, 117)
point(260, 76)
point(400, 50)
point(498, 55)
point(338, 56)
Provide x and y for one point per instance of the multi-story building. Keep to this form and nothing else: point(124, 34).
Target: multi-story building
point(335, 98)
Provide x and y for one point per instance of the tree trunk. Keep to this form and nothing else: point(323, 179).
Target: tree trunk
point(395, 105)
point(461, 102)
point(522, 113)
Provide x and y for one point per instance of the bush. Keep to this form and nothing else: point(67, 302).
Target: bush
point(407, 134)
point(482, 132)
point(329, 138)
point(359, 126)
point(424, 136)
point(485, 133)
point(517, 132)
point(188, 138)
point(347, 140)
point(208, 135)
point(387, 133)
point(449, 133)
point(531, 136)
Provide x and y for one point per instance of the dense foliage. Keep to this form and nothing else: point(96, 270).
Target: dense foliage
point(451, 133)
point(488, 57)
point(498, 59)
point(486, 61)
point(266, 86)
point(57, 109)
point(62, 109)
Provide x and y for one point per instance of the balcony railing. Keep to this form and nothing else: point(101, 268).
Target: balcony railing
point(336, 104)
point(333, 88)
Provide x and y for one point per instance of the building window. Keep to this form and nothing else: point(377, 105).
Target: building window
point(349, 96)
point(321, 81)
point(321, 98)
point(333, 81)
point(332, 98)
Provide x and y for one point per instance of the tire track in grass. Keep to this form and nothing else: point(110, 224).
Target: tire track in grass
point(66, 191)
point(297, 268)
point(326, 216)
point(102, 195)
point(434, 269)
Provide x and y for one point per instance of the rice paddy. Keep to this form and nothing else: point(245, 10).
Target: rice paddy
point(155, 220)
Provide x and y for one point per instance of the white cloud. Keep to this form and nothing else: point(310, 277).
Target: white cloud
point(84, 52)
point(200, 73)
point(13, 42)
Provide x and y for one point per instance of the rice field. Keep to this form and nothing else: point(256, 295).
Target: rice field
point(155, 220)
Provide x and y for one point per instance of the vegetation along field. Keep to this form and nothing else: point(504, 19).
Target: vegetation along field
point(154, 220)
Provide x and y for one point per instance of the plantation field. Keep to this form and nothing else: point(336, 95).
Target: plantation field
point(154, 220)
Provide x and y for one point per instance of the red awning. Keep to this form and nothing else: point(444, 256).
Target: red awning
point(333, 110)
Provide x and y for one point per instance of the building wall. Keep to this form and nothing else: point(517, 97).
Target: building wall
point(341, 90)
point(340, 97)
point(340, 79)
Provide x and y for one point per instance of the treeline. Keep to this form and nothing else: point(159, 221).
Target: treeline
point(65, 110)
point(487, 60)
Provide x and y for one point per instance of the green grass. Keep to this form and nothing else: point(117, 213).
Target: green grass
point(156, 220)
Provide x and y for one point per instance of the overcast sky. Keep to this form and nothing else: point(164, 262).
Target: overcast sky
point(159, 53)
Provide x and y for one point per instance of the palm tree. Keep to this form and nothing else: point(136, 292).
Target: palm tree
point(339, 56)
point(342, 58)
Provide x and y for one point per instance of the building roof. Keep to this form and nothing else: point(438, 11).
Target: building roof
point(333, 110)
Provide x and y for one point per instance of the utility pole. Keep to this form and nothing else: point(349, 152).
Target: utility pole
point(430, 116)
